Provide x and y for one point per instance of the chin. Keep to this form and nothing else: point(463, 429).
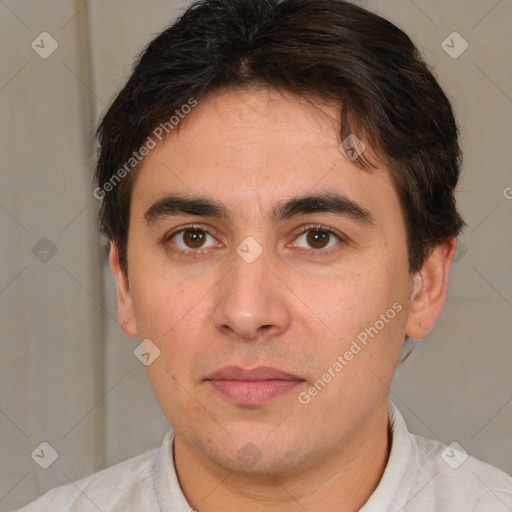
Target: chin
point(257, 455)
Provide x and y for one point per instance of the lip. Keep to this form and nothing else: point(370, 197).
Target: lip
point(256, 386)
point(254, 374)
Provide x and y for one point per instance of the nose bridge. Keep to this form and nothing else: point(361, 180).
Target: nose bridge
point(251, 266)
point(249, 298)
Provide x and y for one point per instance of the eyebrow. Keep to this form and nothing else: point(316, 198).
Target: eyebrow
point(174, 205)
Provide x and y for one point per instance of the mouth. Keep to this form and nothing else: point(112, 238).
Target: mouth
point(257, 386)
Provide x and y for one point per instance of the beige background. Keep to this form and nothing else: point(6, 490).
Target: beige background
point(68, 375)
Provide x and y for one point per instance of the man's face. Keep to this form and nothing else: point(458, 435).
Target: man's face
point(255, 288)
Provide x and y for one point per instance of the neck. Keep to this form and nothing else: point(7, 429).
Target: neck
point(341, 482)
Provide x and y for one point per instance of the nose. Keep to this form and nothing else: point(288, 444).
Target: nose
point(252, 302)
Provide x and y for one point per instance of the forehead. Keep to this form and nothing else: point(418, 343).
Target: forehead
point(255, 149)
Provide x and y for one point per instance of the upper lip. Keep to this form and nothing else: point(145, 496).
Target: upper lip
point(254, 374)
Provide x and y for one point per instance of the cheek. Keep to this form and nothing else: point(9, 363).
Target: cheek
point(175, 396)
point(366, 320)
point(159, 303)
point(346, 303)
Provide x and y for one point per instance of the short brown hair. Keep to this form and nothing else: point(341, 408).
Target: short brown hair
point(330, 49)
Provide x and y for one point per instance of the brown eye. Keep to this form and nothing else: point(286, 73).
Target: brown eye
point(189, 240)
point(194, 238)
point(318, 239)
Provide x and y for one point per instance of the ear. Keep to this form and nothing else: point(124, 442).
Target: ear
point(125, 310)
point(429, 292)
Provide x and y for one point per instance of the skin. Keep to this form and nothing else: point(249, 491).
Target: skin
point(290, 308)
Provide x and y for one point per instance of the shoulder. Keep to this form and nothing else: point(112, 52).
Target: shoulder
point(451, 479)
point(127, 486)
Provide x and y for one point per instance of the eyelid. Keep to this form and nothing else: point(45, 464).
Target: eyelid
point(319, 227)
point(186, 227)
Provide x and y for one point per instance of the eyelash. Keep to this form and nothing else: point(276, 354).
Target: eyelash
point(195, 253)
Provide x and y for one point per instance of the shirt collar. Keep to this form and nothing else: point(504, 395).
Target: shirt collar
point(168, 491)
point(401, 469)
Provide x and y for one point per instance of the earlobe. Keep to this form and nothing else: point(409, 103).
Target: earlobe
point(125, 310)
point(430, 285)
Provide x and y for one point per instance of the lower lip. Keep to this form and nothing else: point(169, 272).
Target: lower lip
point(257, 392)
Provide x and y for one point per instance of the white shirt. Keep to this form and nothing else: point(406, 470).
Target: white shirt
point(421, 476)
